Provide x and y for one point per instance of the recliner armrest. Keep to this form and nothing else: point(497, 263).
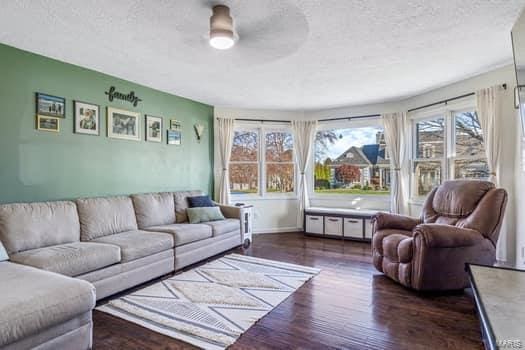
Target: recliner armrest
point(395, 221)
point(445, 236)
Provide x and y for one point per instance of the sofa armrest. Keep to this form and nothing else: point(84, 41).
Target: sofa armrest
point(230, 211)
point(446, 236)
point(395, 221)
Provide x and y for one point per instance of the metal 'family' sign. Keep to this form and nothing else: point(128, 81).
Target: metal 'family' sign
point(130, 97)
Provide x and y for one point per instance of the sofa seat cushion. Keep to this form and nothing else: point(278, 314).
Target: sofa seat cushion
point(224, 226)
point(71, 259)
point(138, 244)
point(34, 300)
point(185, 233)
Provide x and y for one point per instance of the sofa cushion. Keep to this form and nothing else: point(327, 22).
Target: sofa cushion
point(71, 259)
point(224, 226)
point(34, 300)
point(204, 214)
point(154, 209)
point(25, 226)
point(185, 233)
point(105, 216)
point(138, 244)
point(3, 253)
point(181, 203)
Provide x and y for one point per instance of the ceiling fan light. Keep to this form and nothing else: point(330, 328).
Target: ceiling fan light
point(221, 41)
point(221, 28)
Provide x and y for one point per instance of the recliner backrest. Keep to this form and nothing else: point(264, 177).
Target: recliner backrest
point(472, 204)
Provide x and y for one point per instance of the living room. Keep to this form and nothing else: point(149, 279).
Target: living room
point(262, 175)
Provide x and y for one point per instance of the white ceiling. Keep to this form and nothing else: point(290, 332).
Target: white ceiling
point(290, 55)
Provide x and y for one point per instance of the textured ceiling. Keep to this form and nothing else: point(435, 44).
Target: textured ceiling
point(290, 54)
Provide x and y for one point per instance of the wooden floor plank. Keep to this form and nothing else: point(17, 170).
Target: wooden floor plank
point(349, 305)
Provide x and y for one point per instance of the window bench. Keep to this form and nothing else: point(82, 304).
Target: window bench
point(339, 223)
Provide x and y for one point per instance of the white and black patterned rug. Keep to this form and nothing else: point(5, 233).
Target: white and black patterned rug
point(212, 305)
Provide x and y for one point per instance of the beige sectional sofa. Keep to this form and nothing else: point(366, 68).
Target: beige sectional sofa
point(65, 255)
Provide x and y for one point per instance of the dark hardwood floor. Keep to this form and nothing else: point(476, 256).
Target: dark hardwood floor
point(347, 306)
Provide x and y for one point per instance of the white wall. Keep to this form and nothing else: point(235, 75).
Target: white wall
point(280, 215)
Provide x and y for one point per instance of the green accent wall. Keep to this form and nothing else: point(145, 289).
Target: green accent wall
point(39, 165)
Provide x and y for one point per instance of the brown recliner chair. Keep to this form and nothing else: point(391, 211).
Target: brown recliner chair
point(460, 223)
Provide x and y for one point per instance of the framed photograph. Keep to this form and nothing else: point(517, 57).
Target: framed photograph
point(87, 118)
point(123, 124)
point(175, 124)
point(45, 123)
point(51, 106)
point(174, 137)
point(153, 128)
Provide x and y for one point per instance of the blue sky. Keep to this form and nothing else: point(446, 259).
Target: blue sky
point(352, 137)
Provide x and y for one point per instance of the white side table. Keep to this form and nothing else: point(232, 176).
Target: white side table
point(246, 224)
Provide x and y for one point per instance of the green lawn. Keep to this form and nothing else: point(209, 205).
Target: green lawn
point(352, 191)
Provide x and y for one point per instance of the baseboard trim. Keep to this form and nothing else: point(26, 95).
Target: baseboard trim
point(277, 230)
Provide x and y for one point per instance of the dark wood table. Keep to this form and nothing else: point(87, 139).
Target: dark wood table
point(499, 293)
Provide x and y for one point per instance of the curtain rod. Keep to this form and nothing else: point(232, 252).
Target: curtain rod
point(320, 120)
point(350, 118)
point(263, 120)
point(448, 100)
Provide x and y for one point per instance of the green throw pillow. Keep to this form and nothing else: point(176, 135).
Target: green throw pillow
point(3, 253)
point(203, 214)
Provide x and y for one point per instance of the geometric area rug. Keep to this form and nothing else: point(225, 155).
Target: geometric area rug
point(210, 306)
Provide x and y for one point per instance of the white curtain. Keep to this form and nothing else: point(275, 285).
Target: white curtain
point(225, 133)
point(396, 138)
point(489, 103)
point(303, 140)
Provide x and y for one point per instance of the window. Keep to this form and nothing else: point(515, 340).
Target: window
point(244, 163)
point(351, 161)
point(470, 160)
point(262, 169)
point(279, 162)
point(447, 146)
point(430, 148)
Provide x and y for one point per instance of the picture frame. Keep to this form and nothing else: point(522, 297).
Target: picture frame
point(174, 137)
point(51, 106)
point(122, 124)
point(175, 124)
point(86, 118)
point(45, 123)
point(153, 129)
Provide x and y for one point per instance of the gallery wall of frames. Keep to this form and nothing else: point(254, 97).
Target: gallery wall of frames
point(69, 131)
point(120, 124)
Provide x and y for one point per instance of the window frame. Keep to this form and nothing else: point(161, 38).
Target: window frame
point(447, 111)
point(414, 159)
point(353, 198)
point(262, 129)
point(256, 162)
